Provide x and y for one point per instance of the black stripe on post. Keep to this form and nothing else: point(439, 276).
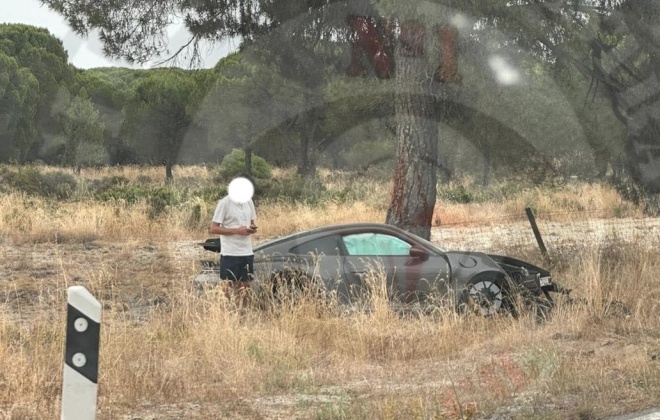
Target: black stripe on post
point(82, 344)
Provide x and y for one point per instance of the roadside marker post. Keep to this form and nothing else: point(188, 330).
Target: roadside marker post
point(81, 355)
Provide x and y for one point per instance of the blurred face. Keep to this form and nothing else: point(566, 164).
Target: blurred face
point(240, 190)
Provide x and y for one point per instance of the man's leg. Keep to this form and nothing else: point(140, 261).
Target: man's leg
point(245, 273)
point(238, 271)
point(228, 270)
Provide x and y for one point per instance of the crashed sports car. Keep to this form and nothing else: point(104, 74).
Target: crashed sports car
point(345, 259)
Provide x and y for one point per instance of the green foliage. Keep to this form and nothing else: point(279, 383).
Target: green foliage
point(160, 199)
point(108, 182)
point(196, 213)
point(44, 68)
point(233, 165)
point(246, 103)
point(30, 180)
point(83, 132)
point(42, 53)
point(102, 88)
point(211, 193)
point(18, 107)
point(160, 113)
point(129, 194)
point(456, 194)
point(300, 190)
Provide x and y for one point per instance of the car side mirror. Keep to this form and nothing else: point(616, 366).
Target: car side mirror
point(419, 253)
point(211, 244)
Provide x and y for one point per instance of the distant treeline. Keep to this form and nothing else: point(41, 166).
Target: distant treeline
point(54, 113)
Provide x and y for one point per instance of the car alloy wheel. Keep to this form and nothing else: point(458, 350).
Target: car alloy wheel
point(487, 295)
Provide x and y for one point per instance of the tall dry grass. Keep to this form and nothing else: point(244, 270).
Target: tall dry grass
point(170, 352)
point(28, 218)
point(325, 362)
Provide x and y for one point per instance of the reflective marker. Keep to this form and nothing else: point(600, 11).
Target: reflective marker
point(81, 355)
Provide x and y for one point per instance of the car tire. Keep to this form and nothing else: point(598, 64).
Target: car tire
point(487, 295)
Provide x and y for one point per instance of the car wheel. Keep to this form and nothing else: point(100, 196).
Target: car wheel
point(487, 296)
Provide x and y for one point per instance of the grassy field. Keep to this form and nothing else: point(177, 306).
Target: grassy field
point(168, 352)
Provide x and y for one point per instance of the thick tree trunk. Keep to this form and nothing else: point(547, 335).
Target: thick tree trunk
point(414, 190)
point(636, 100)
point(306, 158)
point(638, 175)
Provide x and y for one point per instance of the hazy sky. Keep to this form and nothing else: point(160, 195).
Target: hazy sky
point(87, 52)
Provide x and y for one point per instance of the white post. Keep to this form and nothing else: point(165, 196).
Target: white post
point(81, 358)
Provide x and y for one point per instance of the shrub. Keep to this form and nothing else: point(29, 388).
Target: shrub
point(458, 194)
point(160, 200)
point(212, 193)
point(233, 165)
point(128, 193)
point(294, 190)
point(108, 183)
point(197, 211)
point(59, 184)
point(30, 180)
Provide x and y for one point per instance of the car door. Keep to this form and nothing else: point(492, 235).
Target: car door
point(394, 265)
point(319, 258)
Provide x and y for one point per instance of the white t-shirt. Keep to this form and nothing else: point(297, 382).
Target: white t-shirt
point(231, 214)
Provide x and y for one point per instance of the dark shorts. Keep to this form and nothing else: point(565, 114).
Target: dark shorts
point(236, 268)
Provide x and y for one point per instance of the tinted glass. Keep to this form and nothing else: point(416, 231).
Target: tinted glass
point(327, 245)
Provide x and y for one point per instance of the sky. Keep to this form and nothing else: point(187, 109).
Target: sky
point(87, 52)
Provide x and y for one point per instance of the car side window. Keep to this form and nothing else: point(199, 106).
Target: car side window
point(366, 244)
point(327, 245)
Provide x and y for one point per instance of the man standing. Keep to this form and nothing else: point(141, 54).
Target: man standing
point(234, 220)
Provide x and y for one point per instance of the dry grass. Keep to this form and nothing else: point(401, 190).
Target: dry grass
point(307, 360)
point(555, 203)
point(168, 352)
point(30, 219)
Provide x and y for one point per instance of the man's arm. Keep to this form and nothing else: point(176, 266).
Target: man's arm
point(217, 229)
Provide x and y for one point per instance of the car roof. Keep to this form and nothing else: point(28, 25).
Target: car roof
point(346, 228)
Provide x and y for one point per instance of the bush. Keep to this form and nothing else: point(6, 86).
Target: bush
point(211, 193)
point(31, 181)
point(60, 184)
point(197, 211)
point(106, 183)
point(160, 200)
point(458, 194)
point(294, 190)
point(233, 165)
point(131, 194)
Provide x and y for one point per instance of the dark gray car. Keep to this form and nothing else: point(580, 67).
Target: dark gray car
point(350, 259)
